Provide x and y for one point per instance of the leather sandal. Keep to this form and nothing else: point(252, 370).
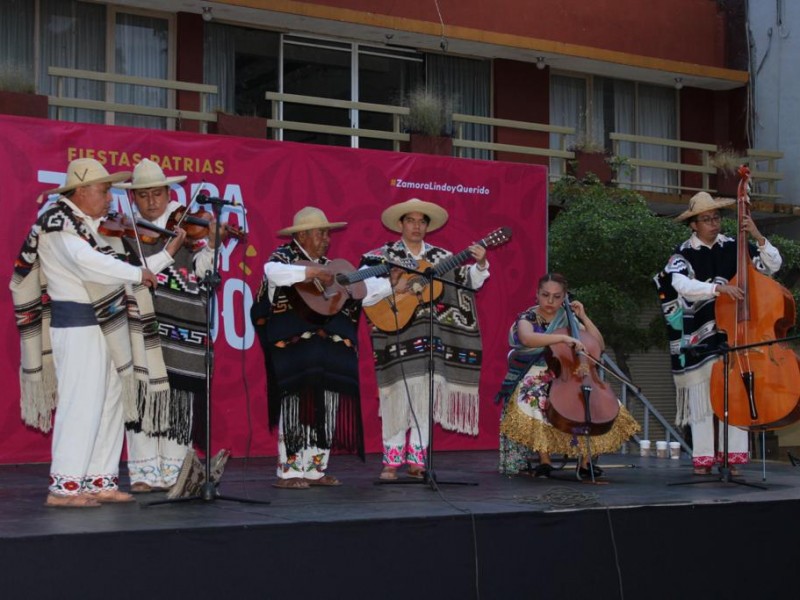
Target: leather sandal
point(543, 470)
point(416, 471)
point(388, 473)
point(325, 480)
point(294, 483)
point(72, 501)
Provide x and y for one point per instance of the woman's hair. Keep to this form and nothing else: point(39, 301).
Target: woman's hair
point(556, 277)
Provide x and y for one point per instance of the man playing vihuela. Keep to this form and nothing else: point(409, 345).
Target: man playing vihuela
point(311, 360)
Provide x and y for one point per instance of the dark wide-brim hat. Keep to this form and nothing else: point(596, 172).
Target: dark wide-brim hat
point(392, 215)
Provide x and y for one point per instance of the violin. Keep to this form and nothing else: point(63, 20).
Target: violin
point(197, 224)
point(119, 225)
point(762, 384)
point(579, 401)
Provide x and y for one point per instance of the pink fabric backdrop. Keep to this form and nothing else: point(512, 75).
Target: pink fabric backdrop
point(273, 180)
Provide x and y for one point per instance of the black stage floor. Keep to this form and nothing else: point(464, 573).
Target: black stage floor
point(631, 535)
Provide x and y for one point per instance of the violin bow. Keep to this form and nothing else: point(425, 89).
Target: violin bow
point(135, 229)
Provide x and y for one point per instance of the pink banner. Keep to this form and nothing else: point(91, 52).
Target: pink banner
point(271, 181)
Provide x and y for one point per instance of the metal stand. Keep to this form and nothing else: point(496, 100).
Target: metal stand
point(725, 471)
point(211, 281)
point(429, 474)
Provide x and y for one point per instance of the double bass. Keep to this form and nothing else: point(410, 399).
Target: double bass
point(579, 401)
point(764, 376)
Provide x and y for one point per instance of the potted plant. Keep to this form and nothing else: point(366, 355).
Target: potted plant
point(591, 159)
point(18, 94)
point(727, 161)
point(428, 123)
point(239, 125)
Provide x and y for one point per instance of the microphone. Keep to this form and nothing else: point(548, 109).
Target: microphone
point(203, 199)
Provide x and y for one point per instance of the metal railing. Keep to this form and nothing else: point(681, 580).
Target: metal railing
point(60, 100)
point(277, 124)
point(560, 152)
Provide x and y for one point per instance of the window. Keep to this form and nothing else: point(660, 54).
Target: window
point(622, 107)
point(16, 44)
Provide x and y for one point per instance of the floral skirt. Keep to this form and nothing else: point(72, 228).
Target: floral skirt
point(524, 428)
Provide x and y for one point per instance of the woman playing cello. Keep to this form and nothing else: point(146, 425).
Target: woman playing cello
point(525, 427)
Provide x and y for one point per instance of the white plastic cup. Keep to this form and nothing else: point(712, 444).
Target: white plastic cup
point(661, 449)
point(675, 450)
point(644, 447)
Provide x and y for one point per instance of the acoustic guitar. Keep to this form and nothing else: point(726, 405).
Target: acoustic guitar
point(394, 312)
point(322, 300)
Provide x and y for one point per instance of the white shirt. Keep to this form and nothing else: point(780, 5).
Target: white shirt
point(280, 275)
point(694, 290)
point(67, 261)
point(477, 277)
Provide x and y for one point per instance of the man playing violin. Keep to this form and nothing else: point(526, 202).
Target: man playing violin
point(401, 360)
point(312, 362)
point(698, 272)
point(74, 294)
point(157, 445)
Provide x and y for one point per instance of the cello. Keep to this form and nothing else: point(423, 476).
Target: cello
point(579, 401)
point(764, 376)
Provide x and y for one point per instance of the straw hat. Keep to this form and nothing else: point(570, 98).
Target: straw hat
point(147, 174)
point(392, 215)
point(702, 202)
point(309, 218)
point(86, 171)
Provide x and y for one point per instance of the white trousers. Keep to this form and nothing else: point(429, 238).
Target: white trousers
point(703, 454)
point(89, 422)
point(309, 463)
point(155, 461)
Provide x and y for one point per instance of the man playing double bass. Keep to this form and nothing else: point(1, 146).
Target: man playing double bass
point(700, 270)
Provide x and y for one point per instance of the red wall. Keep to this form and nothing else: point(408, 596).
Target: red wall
point(684, 30)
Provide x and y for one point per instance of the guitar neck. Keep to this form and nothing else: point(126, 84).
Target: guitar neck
point(451, 262)
point(363, 274)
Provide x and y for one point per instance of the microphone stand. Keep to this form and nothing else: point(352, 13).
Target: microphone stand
point(208, 491)
point(726, 350)
point(429, 475)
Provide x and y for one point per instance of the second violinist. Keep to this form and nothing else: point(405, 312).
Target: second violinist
point(525, 392)
point(155, 459)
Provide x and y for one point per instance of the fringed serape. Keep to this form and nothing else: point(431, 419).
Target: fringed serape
point(125, 316)
point(180, 305)
point(457, 353)
point(312, 368)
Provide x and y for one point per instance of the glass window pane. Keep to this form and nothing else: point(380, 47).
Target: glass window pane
point(384, 79)
point(141, 49)
point(656, 116)
point(16, 45)
point(73, 35)
point(567, 108)
point(312, 70)
point(243, 64)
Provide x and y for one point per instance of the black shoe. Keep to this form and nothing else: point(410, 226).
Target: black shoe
point(586, 473)
point(543, 470)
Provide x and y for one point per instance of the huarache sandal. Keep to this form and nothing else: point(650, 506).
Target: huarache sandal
point(112, 497)
point(79, 501)
point(291, 484)
point(325, 480)
point(416, 472)
point(701, 471)
point(388, 473)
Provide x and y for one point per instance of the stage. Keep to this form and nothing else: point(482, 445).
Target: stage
point(630, 535)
